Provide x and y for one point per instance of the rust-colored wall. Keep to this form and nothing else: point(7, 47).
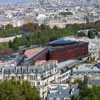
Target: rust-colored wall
point(66, 53)
point(43, 57)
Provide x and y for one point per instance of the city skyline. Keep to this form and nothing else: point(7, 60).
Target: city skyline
point(13, 1)
point(19, 1)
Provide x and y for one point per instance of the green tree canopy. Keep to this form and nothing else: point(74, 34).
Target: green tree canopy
point(88, 93)
point(16, 90)
point(42, 34)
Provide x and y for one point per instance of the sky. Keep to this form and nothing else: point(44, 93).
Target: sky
point(12, 1)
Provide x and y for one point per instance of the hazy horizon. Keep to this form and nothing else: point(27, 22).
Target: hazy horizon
point(23, 1)
point(13, 1)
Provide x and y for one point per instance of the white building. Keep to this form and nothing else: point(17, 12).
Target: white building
point(90, 70)
point(19, 21)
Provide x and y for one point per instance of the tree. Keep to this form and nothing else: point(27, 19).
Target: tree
point(10, 44)
point(91, 34)
point(16, 90)
point(55, 27)
point(87, 93)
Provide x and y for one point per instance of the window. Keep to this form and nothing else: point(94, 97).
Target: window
point(38, 83)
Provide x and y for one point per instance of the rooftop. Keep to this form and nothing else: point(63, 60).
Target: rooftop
point(32, 52)
point(40, 68)
point(68, 63)
point(62, 92)
point(86, 68)
point(3, 18)
point(62, 41)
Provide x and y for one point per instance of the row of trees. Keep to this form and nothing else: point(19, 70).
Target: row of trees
point(16, 90)
point(42, 34)
point(8, 30)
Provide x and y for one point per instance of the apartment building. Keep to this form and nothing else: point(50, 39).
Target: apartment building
point(41, 75)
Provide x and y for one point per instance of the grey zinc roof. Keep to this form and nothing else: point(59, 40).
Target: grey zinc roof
point(4, 18)
point(61, 42)
point(63, 93)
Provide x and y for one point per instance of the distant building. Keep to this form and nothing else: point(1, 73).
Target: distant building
point(4, 21)
point(20, 21)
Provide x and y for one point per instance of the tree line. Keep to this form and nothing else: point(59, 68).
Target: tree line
point(8, 30)
point(42, 34)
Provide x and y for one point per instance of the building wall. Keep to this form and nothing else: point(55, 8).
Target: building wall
point(73, 52)
point(43, 57)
